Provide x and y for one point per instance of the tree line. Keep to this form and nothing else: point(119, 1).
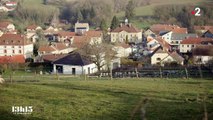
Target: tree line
point(181, 15)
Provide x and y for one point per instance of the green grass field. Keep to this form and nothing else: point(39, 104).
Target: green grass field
point(119, 99)
point(148, 9)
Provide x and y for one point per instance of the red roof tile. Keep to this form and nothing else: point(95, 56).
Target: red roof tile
point(46, 48)
point(193, 40)
point(12, 59)
point(13, 39)
point(52, 47)
point(80, 41)
point(128, 28)
point(66, 33)
point(60, 46)
point(94, 33)
point(4, 24)
point(52, 57)
point(163, 43)
point(32, 27)
point(162, 27)
point(180, 30)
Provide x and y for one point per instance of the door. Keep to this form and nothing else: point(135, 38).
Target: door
point(88, 70)
point(73, 71)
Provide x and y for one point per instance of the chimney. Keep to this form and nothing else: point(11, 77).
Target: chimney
point(120, 24)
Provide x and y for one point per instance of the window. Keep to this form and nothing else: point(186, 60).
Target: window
point(182, 45)
point(12, 46)
point(19, 46)
point(13, 51)
point(158, 59)
point(5, 51)
point(193, 45)
point(19, 51)
point(5, 46)
point(187, 45)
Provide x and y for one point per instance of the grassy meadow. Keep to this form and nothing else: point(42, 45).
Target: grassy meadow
point(74, 98)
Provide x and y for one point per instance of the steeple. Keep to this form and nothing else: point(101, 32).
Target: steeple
point(126, 21)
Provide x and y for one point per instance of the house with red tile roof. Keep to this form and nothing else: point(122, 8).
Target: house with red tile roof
point(122, 49)
point(202, 54)
point(80, 41)
point(54, 48)
point(6, 26)
point(152, 43)
point(12, 59)
point(202, 29)
point(15, 44)
point(63, 36)
point(11, 3)
point(168, 35)
point(161, 56)
point(89, 37)
point(187, 45)
point(126, 33)
point(33, 28)
point(160, 28)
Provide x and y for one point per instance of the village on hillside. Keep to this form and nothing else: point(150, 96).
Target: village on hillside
point(83, 50)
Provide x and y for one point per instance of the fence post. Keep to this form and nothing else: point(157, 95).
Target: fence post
point(85, 77)
point(187, 75)
point(200, 71)
point(136, 72)
point(110, 73)
point(57, 75)
point(161, 76)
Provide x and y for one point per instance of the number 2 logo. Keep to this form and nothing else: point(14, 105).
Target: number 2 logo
point(197, 11)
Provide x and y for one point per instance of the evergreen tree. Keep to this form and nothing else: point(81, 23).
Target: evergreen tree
point(79, 16)
point(92, 13)
point(129, 11)
point(114, 23)
point(103, 25)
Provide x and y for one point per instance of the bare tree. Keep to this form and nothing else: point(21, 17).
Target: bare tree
point(99, 53)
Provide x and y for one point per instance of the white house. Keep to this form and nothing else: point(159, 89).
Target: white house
point(74, 64)
point(202, 54)
point(3, 9)
point(149, 32)
point(63, 36)
point(81, 28)
point(15, 44)
point(123, 50)
point(11, 4)
point(188, 44)
point(126, 33)
point(160, 56)
point(33, 28)
point(32, 36)
point(168, 35)
point(7, 26)
point(152, 43)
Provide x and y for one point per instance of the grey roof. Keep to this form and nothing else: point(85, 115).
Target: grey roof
point(181, 36)
point(73, 59)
